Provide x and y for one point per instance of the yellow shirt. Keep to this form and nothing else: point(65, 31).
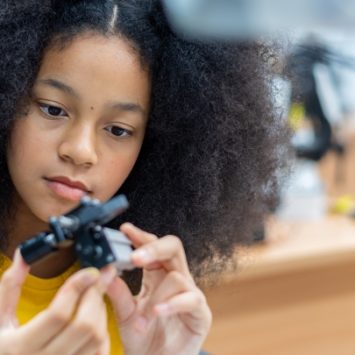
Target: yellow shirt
point(37, 294)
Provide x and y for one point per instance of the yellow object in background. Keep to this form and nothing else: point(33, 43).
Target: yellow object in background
point(343, 205)
point(296, 115)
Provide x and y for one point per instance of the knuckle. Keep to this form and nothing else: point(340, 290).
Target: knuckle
point(151, 236)
point(77, 286)
point(199, 298)
point(176, 277)
point(88, 328)
point(182, 280)
point(7, 279)
point(58, 316)
point(202, 303)
point(97, 339)
point(176, 240)
point(79, 282)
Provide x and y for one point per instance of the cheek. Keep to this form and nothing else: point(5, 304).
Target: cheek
point(26, 148)
point(115, 172)
point(24, 155)
point(28, 154)
point(17, 152)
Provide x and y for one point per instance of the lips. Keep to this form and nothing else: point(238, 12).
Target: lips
point(66, 188)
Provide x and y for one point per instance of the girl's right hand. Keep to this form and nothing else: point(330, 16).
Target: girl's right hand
point(74, 322)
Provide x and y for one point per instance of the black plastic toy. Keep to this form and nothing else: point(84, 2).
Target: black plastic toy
point(95, 245)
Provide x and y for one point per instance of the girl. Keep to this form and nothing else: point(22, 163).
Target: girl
point(99, 97)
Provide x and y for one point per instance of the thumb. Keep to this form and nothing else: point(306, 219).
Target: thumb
point(122, 299)
point(10, 289)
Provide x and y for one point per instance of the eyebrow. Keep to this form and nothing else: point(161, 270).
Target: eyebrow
point(121, 106)
point(60, 86)
point(127, 106)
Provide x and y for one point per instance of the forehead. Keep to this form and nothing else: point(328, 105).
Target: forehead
point(98, 66)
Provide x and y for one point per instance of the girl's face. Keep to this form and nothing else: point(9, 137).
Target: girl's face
point(84, 128)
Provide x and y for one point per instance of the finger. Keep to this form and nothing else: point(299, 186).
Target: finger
point(91, 349)
point(86, 330)
point(105, 348)
point(108, 274)
point(136, 235)
point(173, 284)
point(51, 321)
point(168, 251)
point(10, 289)
point(122, 300)
point(192, 308)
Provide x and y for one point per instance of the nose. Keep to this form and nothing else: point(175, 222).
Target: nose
point(78, 146)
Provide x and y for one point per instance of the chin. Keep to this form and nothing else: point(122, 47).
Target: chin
point(55, 211)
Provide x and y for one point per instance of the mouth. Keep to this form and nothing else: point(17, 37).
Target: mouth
point(66, 188)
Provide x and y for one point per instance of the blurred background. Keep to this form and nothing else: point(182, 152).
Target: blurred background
point(293, 292)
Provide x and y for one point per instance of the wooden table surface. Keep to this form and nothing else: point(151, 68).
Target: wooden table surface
point(292, 295)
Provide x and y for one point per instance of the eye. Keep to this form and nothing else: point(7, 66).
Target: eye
point(52, 111)
point(118, 131)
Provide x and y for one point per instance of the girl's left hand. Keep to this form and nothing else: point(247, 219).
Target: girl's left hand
point(170, 315)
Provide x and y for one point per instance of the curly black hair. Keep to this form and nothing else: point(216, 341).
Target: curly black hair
point(210, 164)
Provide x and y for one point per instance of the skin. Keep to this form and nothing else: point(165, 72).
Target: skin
point(87, 84)
point(170, 314)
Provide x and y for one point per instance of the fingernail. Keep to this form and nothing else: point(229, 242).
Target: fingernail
point(90, 275)
point(143, 255)
point(141, 324)
point(163, 309)
point(127, 225)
